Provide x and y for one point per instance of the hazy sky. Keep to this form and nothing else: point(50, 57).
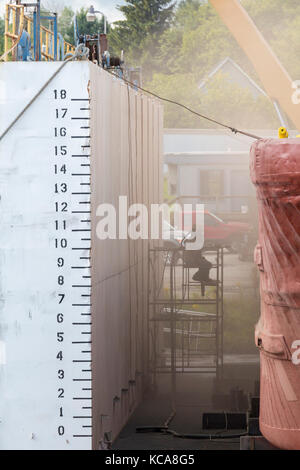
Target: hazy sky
point(107, 6)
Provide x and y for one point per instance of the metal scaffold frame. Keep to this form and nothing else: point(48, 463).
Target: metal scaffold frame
point(37, 42)
point(177, 317)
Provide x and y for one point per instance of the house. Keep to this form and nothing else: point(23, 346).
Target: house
point(210, 166)
point(235, 75)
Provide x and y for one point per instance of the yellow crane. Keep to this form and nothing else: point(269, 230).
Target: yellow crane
point(275, 79)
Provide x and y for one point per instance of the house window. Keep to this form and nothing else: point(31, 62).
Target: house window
point(212, 183)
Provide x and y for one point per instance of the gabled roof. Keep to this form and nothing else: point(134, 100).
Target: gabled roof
point(221, 65)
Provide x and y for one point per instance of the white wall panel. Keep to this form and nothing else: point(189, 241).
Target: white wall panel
point(130, 149)
point(122, 157)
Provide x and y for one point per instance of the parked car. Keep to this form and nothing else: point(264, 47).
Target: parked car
point(230, 235)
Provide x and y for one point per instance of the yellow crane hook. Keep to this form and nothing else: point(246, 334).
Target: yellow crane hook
point(283, 133)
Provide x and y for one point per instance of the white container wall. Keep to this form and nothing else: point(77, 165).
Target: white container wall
point(127, 140)
point(73, 308)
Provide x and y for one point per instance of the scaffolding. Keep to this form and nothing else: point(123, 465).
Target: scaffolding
point(37, 41)
point(185, 317)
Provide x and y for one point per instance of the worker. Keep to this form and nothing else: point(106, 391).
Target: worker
point(24, 47)
point(195, 259)
point(204, 268)
point(202, 275)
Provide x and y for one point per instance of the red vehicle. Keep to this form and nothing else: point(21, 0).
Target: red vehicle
point(230, 235)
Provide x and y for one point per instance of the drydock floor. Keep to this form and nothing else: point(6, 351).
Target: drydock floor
point(193, 398)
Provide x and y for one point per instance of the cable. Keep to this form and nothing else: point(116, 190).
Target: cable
point(165, 430)
point(209, 437)
point(130, 194)
point(167, 100)
point(80, 54)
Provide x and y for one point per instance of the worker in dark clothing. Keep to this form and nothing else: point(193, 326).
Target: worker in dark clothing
point(202, 275)
point(195, 259)
point(204, 268)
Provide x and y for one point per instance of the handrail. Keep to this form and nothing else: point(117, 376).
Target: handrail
point(47, 37)
point(13, 35)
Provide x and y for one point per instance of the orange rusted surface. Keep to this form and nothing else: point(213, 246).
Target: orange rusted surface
point(275, 171)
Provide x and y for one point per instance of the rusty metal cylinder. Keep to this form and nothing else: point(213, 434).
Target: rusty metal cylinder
point(275, 171)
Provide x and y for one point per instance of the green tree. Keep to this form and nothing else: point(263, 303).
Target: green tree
point(197, 41)
point(222, 100)
point(138, 34)
point(85, 27)
point(66, 24)
point(279, 22)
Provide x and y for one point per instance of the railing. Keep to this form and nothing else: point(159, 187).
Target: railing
point(11, 29)
point(50, 46)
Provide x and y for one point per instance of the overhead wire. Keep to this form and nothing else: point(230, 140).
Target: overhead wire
point(80, 54)
point(187, 108)
point(202, 436)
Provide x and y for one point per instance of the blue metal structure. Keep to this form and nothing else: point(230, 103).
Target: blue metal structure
point(54, 19)
point(37, 32)
point(36, 41)
point(24, 46)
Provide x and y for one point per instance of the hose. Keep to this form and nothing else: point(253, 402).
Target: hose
point(165, 430)
point(81, 53)
point(186, 108)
